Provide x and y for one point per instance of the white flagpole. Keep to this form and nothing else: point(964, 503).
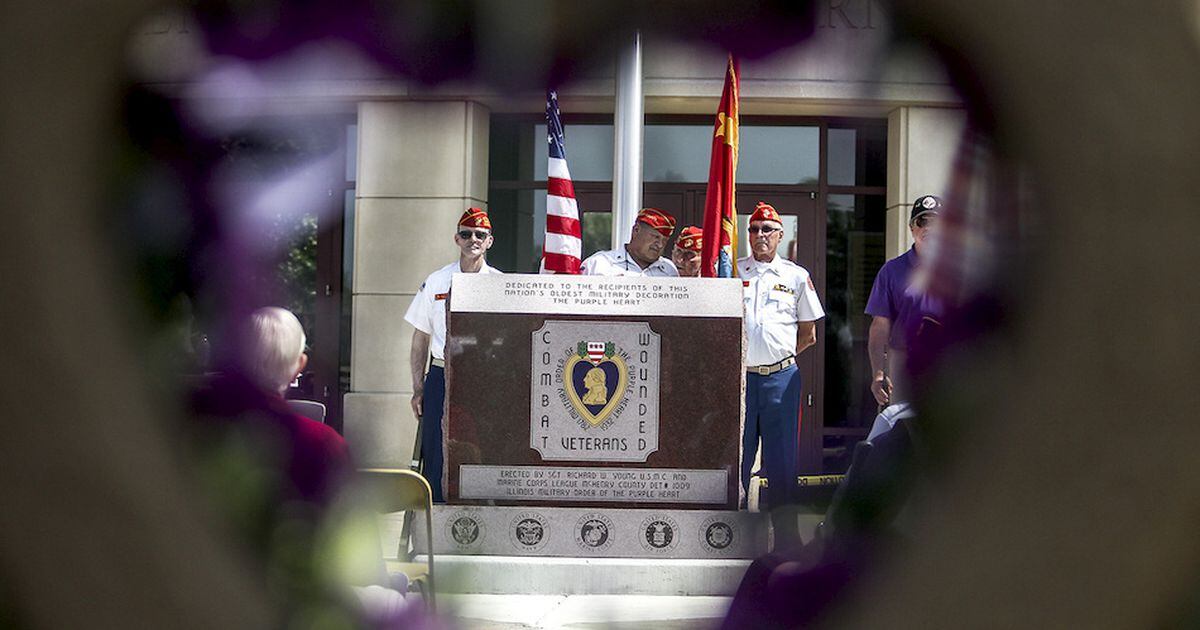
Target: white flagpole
point(628, 121)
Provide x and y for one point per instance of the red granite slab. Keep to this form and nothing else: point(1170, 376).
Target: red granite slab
point(487, 419)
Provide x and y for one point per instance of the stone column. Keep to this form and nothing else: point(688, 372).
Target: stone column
point(922, 145)
point(420, 164)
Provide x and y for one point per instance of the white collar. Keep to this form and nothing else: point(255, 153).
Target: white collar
point(773, 265)
point(482, 267)
point(622, 256)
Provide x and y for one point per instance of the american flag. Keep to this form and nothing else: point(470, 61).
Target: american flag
point(563, 248)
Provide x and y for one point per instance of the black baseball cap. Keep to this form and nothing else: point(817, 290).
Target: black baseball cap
point(925, 204)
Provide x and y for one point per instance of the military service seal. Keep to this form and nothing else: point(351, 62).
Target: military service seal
point(529, 531)
point(594, 532)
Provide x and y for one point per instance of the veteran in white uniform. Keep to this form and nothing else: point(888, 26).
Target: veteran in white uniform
point(642, 255)
point(427, 314)
point(781, 311)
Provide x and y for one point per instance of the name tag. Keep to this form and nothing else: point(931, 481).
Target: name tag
point(440, 296)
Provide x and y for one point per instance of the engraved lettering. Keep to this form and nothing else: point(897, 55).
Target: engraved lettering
point(838, 6)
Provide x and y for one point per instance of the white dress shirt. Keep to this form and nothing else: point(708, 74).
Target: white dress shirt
point(616, 262)
point(777, 295)
point(427, 313)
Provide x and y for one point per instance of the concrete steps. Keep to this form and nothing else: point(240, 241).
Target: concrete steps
point(523, 575)
point(579, 612)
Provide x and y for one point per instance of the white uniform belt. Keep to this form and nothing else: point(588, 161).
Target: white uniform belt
point(767, 370)
point(437, 362)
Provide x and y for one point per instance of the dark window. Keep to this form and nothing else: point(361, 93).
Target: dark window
point(854, 252)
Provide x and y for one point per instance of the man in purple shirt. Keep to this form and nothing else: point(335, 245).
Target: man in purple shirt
point(899, 308)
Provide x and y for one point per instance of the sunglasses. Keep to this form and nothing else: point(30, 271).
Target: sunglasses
point(479, 234)
point(764, 229)
point(924, 221)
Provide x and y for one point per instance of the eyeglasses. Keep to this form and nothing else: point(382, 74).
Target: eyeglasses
point(925, 221)
point(479, 234)
point(764, 229)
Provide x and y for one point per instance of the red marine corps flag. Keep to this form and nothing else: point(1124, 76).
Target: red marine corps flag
point(563, 248)
point(720, 212)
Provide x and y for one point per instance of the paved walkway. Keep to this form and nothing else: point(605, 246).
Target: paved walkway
point(620, 612)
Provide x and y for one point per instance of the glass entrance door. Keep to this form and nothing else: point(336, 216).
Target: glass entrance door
point(803, 244)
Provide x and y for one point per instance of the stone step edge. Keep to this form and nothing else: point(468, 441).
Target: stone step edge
point(520, 575)
point(575, 560)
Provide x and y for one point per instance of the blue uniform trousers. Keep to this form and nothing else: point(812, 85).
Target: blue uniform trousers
point(432, 406)
point(773, 413)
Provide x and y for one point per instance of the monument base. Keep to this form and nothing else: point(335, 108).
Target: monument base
point(533, 531)
point(513, 575)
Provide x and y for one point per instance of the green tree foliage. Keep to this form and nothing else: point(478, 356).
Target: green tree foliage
point(297, 268)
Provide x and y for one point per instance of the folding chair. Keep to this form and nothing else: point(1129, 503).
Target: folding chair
point(398, 490)
point(417, 465)
point(310, 409)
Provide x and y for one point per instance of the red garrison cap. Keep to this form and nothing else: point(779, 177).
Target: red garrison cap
point(690, 238)
point(765, 212)
point(657, 219)
point(475, 218)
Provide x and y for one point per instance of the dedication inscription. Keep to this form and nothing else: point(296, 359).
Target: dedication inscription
point(594, 391)
point(579, 483)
